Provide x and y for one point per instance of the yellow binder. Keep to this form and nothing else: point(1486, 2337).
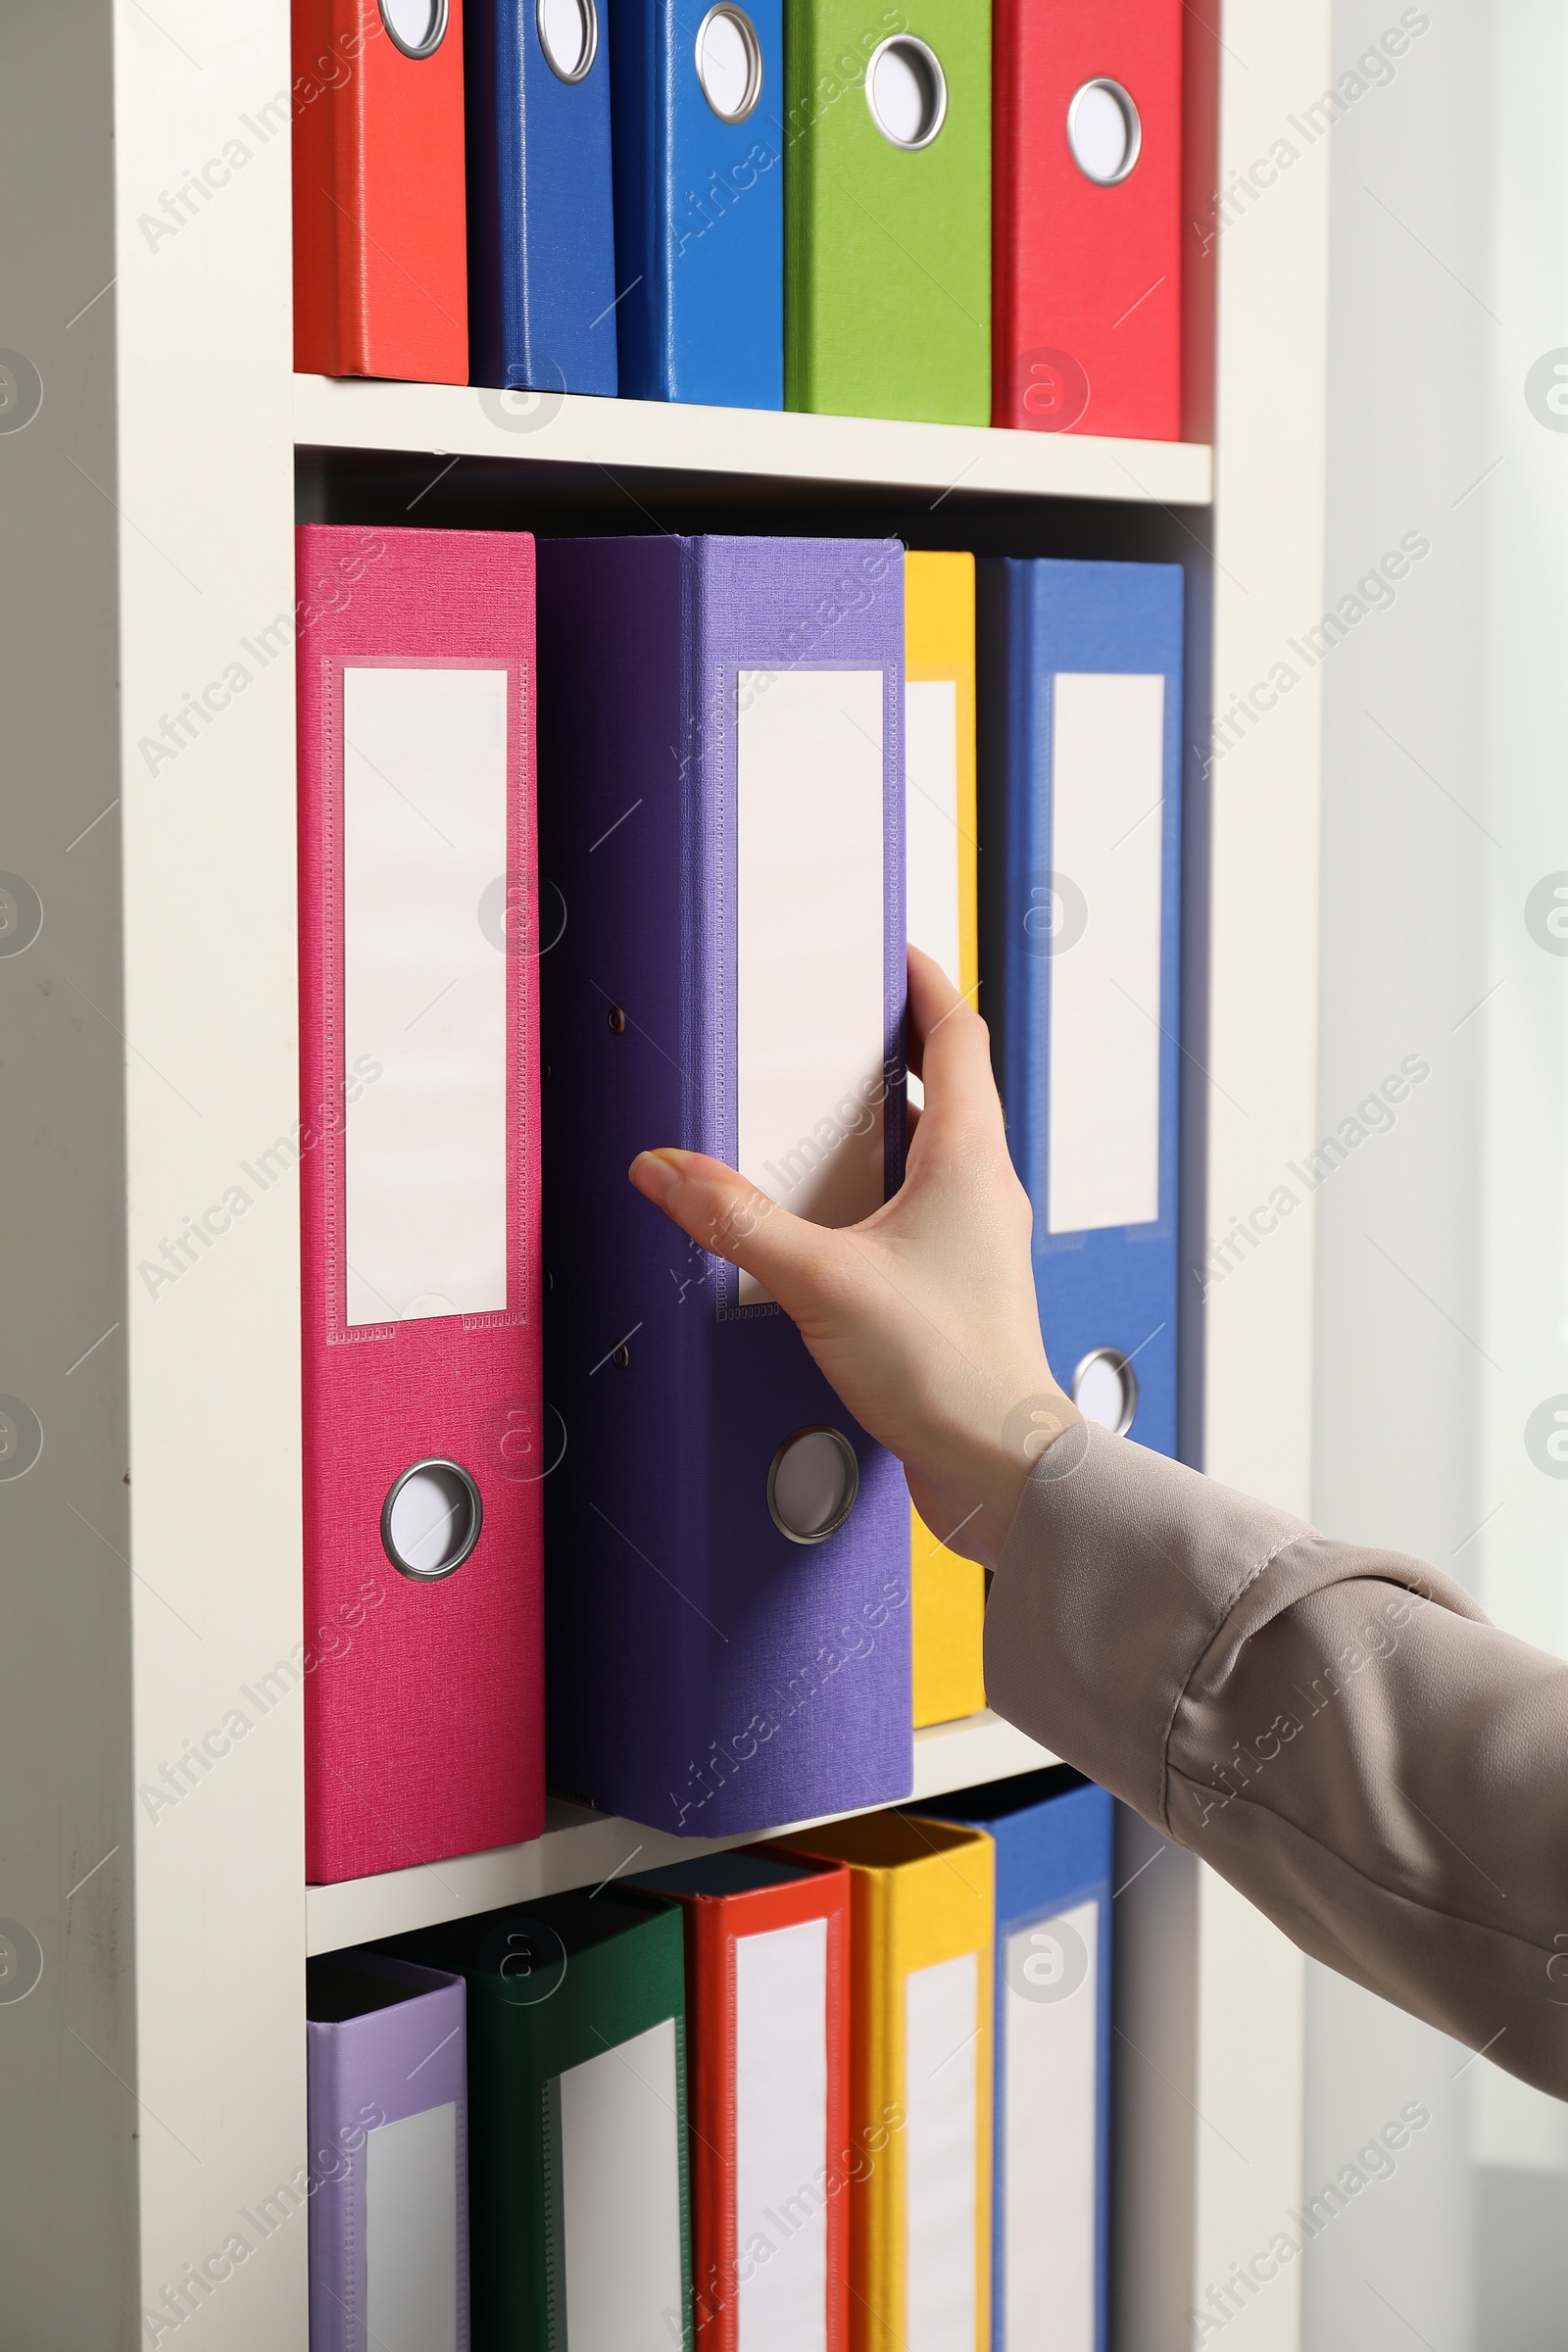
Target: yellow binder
point(923, 1897)
point(947, 1594)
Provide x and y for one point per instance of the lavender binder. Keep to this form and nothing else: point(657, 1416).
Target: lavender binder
point(721, 861)
point(388, 2123)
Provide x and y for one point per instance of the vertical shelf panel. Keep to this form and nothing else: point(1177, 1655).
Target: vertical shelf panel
point(1270, 230)
point(203, 333)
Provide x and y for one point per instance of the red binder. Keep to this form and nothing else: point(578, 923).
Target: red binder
point(767, 2021)
point(1087, 217)
point(418, 1149)
point(380, 247)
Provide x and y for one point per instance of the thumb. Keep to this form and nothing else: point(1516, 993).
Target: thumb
point(727, 1215)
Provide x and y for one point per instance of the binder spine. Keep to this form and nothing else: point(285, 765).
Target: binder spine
point(841, 2157)
point(715, 1932)
point(367, 2072)
point(379, 240)
point(1007, 818)
point(542, 266)
point(699, 216)
point(802, 205)
point(711, 2005)
point(1054, 1834)
point(1087, 275)
point(1007, 135)
point(424, 1723)
point(639, 145)
point(703, 1678)
point(491, 67)
point(336, 2242)
point(888, 243)
point(877, 2250)
point(1048, 625)
point(785, 609)
point(329, 135)
point(621, 792)
point(510, 2133)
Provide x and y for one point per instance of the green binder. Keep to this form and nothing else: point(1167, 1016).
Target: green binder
point(579, 2208)
point(887, 252)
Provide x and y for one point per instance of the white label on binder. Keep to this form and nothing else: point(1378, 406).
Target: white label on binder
point(931, 818)
point(425, 993)
point(940, 2146)
point(808, 935)
point(781, 2135)
point(931, 826)
point(1050, 2079)
point(620, 2189)
point(1107, 768)
point(410, 2232)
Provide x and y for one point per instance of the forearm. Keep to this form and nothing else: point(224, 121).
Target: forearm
point(1338, 1731)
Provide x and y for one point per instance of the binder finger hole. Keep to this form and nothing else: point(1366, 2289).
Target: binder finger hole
point(907, 91)
point(417, 26)
point(1103, 131)
point(1105, 1388)
point(569, 35)
point(729, 63)
point(430, 1520)
point(812, 1485)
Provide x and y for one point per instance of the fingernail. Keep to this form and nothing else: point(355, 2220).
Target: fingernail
point(655, 1175)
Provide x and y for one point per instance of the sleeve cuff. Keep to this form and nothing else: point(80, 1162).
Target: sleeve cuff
point(1119, 1570)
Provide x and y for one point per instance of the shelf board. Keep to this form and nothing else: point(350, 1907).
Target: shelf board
point(570, 429)
point(580, 1849)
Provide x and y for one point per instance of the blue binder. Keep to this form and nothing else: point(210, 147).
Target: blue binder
point(699, 151)
point(541, 225)
point(1051, 2174)
point(1080, 668)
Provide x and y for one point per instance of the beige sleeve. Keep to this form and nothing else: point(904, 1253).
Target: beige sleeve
point(1340, 1731)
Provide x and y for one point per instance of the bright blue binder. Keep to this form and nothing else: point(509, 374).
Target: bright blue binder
point(1080, 668)
point(541, 220)
point(699, 160)
point(1052, 2173)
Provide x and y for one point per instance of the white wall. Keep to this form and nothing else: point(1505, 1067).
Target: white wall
point(1443, 1247)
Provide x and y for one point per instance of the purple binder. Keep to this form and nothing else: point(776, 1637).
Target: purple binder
point(721, 859)
point(389, 2138)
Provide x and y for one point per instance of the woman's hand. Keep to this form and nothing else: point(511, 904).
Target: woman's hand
point(923, 1317)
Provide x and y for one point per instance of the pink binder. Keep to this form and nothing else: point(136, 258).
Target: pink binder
point(418, 1149)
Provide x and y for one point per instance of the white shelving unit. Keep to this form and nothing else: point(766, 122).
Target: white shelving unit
point(580, 1848)
point(152, 1952)
point(561, 428)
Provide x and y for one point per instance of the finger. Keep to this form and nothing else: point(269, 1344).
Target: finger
point(931, 992)
point(949, 1043)
point(725, 1215)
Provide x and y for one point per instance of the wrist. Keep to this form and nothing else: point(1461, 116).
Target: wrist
point(1036, 1423)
